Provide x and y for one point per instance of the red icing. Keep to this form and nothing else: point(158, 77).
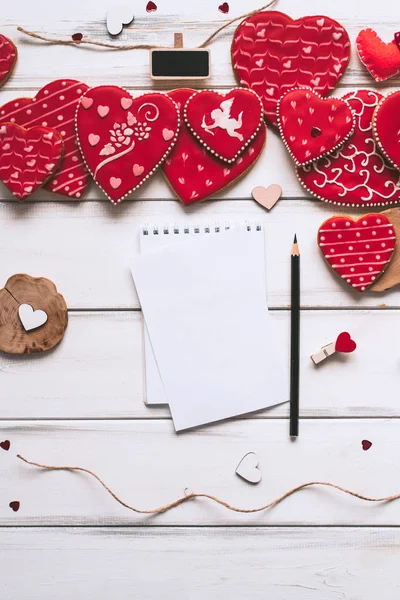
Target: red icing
point(344, 343)
point(272, 53)
point(123, 139)
point(356, 174)
point(224, 123)
point(54, 106)
point(195, 174)
point(28, 157)
point(382, 60)
point(386, 126)
point(312, 126)
point(358, 250)
point(8, 58)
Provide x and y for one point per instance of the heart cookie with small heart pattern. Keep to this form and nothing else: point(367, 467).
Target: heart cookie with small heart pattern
point(224, 123)
point(358, 250)
point(28, 157)
point(312, 126)
point(123, 139)
point(386, 127)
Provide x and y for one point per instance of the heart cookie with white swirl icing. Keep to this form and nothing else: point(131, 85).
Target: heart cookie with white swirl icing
point(386, 127)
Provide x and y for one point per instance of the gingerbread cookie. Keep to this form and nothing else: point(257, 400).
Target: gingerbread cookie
point(272, 53)
point(194, 173)
point(358, 250)
point(382, 60)
point(123, 139)
point(356, 175)
point(224, 123)
point(386, 127)
point(54, 106)
point(28, 157)
point(8, 58)
point(312, 126)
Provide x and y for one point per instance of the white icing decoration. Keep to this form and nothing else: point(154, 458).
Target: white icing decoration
point(222, 118)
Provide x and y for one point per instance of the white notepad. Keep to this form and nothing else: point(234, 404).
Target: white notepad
point(213, 339)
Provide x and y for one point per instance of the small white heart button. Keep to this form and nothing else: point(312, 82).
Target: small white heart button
point(31, 319)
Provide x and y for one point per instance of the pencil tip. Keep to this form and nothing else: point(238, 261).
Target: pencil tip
point(295, 239)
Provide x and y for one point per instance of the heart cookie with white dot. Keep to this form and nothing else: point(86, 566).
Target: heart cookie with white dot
point(386, 127)
point(358, 250)
point(312, 126)
point(28, 157)
point(123, 139)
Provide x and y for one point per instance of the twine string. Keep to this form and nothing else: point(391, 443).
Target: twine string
point(193, 495)
point(71, 42)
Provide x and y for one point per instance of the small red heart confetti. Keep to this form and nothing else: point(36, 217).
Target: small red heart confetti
point(224, 8)
point(151, 7)
point(366, 444)
point(77, 37)
point(344, 343)
point(14, 505)
point(5, 445)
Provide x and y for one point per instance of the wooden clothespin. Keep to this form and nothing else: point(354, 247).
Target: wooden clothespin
point(344, 344)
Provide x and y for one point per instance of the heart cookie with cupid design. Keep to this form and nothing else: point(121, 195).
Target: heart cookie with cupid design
point(28, 157)
point(382, 60)
point(386, 127)
point(358, 250)
point(194, 173)
point(124, 139)
point(55, 106)
point(224, 123)
point(8, 58)
point(312, 126)
point(357, 174)
point(272, 53)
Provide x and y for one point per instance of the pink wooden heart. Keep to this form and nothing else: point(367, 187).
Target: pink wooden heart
point(267, 197)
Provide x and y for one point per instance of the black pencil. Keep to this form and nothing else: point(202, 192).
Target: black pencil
point(295, 341)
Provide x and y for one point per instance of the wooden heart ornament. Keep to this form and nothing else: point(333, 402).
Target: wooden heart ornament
point(267, 197)
point(224, 123)
point(312, 126)
point(248, 468)
point(358, 250)
point(272, 53)
point(382, 60)
point(28, 157)
point(123, 139)
point(30, 318)
point(344, 343)
point(8, 58)
point(386, 127)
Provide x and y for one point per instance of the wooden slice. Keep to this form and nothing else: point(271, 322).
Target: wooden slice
point(40, 294)
point(391, 275)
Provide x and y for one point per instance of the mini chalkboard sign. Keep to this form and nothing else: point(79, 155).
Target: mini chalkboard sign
point(179, 62)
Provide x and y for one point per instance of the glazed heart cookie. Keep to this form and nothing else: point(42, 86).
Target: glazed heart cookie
point(357, 174)
point(386, 127)
point(312, 126)
point(124, 139)
point(224, 123)
point(358, 250)
point(8, 58)
point(272, 53)
point(193, 173)
point(382, 60)
point(54, 106)
point(28, 157)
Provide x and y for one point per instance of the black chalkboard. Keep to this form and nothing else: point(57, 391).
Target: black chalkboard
point(179, 64)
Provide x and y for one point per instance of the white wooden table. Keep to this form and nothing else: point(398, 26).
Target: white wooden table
point(83, 403)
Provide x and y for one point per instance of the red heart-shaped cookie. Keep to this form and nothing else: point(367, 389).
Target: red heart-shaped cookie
point(344, 343)
point(312, 126)
point(28, 157)
point(193, 173)
point(224, 123)
point(357, 174)
point(386, 127)
point(382, 60)
point(55, 106)
point(8, 58)
point(272, 53)
point(359, 250)
point(124, 139)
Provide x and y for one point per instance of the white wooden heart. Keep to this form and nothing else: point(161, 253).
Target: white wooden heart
point(117, 17)
point(31, 319)
point(248, 468)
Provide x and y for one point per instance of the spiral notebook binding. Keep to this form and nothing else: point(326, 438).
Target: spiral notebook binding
point(197, 229)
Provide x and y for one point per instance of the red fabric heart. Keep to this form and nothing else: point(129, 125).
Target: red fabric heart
point(8, 58)
point(28, 157)
point(366, 444)
point(312, 126)
point(193, 173)
point(271, 53)
point(386, 127)
point(356, 174)
point(5, 445)
point(224, 123)
point(14, 505)
point(55, 106)
point(359, 250)
point(123, 139)
point(382, 60)
point(344, 343)
point(224, 8)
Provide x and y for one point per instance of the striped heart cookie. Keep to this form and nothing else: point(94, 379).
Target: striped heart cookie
point(8, 58)
point(359, 250)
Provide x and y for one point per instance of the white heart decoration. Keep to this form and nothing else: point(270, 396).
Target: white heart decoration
point(248, 468)
point(31, 319)
point(117, 17)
